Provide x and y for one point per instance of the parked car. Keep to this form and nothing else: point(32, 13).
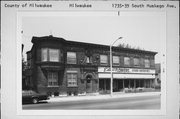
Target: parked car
point(33, 97)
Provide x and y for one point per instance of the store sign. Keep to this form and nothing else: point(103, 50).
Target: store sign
point(126, 70)
point(126, 76)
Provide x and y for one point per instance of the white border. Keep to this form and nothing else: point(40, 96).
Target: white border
point(162, 111)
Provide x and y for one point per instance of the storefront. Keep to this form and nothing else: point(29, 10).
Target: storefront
point(125, 78)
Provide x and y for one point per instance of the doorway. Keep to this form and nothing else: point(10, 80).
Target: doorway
point(89, 83)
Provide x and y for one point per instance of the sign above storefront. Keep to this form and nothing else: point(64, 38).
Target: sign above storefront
point(126, 70)
point(126, 76)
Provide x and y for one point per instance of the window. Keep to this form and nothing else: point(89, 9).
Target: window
point(115, 60)
point(103, 59)
point(152, 63)
point(71, 79)
point(147, 63)
point(136, 62)
point(52, 79)
point(54, 55)
point(48, 54)
point(126, 61)
point(44, 54)
point(88, 59)
point(71, 57)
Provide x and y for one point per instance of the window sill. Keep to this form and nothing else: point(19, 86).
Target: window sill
point(104, 64)
point(72, 86)
point(136, 65)
point(52, 86)
point(127, 66)
point(71, 63)
point(51, 61)
point(116, 64)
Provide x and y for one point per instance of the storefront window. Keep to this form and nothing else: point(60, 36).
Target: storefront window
point(115, 60)
point(71, 79)
point(126, 61)
point(136, 62)
point(103, 59)
point(147, 63)
point(71, 57)
point(52, 79)
point(54, 55)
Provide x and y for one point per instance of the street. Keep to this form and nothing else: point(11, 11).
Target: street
point(141, 102)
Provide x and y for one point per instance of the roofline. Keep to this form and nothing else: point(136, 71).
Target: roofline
point(113, 47)
point(37, 39)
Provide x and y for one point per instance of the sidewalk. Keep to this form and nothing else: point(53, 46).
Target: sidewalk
point(100, 96)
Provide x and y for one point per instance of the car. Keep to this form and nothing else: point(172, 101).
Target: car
point(31, 96)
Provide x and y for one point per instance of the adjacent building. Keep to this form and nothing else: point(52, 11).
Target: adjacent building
point(158, 75)
point(58, 66)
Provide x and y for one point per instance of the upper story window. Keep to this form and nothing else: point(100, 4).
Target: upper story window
point(147, 63)
point(115, 60)
point(71, 57)
point(49, 54)
point(52, 79)
point(152, 63)
point(126, 61)
point(103, 59)
point(88, 59)
point(44, 54)
point(136, 62)
point(54, 55)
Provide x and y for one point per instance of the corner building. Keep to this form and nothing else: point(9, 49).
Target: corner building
point(59, 67)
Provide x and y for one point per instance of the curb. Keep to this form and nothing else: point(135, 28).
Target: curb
point(97, 97)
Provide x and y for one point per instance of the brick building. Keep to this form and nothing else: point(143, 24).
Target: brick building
point(58, 66)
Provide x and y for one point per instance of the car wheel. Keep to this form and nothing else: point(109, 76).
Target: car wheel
point(35, 100)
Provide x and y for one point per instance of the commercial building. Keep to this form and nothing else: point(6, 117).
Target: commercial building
point(58, 66)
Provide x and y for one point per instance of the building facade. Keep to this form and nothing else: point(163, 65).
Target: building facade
point(59, 67)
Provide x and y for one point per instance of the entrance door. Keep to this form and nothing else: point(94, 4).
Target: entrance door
point(88, 83)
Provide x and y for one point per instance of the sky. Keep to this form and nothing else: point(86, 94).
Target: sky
point(144, 31)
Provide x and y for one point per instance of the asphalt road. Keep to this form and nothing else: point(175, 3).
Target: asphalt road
point(143, 102)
